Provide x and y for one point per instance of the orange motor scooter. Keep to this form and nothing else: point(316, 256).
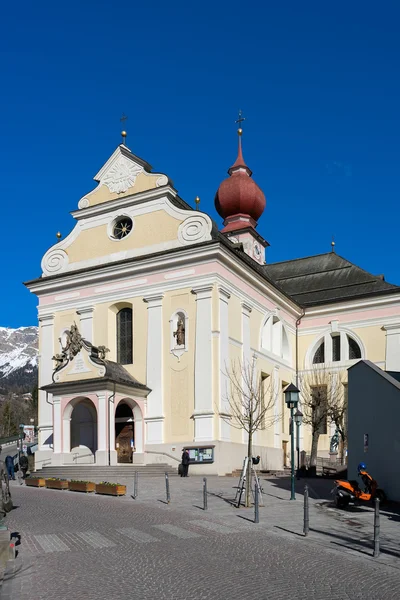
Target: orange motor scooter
point(349, 491)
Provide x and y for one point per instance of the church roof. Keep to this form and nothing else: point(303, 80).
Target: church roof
point(118, 374)
point(326, 278)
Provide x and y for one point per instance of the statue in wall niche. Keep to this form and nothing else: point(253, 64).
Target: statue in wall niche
point(179, 334)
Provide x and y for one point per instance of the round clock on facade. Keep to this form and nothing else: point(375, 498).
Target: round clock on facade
point(121, 228)
point(257, 250)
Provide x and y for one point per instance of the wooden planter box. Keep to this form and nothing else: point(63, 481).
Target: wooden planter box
point(56, 485)
point(81, 486)
point(111, 490)
point(35, 482)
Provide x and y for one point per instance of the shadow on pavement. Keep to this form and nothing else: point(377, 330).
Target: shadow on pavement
point(289, 531)
point(319, 488)
point(361, 543)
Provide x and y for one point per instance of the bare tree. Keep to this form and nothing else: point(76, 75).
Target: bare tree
point(251, 403)
point(322, 402)
point(337, 413)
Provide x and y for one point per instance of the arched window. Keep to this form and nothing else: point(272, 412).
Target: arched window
point(354, 349)
point(124, 337)
point(319, 356)
point(336, 347)
point(274, 338)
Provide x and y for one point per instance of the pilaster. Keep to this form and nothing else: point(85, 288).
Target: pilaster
point(86, 322)
point(203, 399)
point(392, 347)
point(155, 410)
point(224, 363)
point(45, 413)
point(246, 356)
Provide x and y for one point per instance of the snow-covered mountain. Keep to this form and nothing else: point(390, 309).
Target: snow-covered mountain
point(18, 357)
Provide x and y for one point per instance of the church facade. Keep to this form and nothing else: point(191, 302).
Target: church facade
point(146, 305)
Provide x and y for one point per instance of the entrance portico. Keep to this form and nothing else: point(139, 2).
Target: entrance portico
point(98, 421)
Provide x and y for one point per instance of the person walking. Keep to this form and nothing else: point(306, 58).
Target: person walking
point(10, 467)
point(23, 465)
point(185, 462)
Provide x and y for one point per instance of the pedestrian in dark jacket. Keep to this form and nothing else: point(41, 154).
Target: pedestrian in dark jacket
point(10, 467)
point(185, 463)
point(23, 463)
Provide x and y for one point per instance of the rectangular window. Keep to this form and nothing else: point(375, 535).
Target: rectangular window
point(336, 348)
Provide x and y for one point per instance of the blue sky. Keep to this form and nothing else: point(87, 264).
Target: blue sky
point(318, 83)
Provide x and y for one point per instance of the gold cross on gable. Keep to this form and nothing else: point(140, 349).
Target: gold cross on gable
point(123, 132)
point(240, 119)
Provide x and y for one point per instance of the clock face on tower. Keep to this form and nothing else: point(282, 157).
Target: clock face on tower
point(257, 250)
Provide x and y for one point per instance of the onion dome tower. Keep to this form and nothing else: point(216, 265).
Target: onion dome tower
point(240, 202)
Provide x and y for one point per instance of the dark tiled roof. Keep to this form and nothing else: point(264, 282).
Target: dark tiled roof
point(117, 373)
point(326, 278)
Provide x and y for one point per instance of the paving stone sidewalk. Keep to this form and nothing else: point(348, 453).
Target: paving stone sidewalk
point(75, 545)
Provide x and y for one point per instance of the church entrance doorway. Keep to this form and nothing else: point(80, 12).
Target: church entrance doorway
point(124, 433)
point(83, 429)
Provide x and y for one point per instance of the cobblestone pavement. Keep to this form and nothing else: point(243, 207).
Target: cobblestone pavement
point(100, 548)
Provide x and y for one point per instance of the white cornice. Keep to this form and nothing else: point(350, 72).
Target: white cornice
point(353, 305)
point(132, 200)
point(360, 324)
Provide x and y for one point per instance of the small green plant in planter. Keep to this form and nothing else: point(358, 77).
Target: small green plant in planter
point(77, 485)
point(55, 483)
point(35, 481)
point(110, 489)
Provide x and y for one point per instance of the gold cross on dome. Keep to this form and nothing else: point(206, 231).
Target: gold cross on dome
point(240, 119)
point(123, 118)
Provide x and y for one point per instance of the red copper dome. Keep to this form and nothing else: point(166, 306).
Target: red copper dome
point(239, 200)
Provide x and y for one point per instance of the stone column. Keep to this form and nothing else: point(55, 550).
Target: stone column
point(46, 365)
point(86, 323)
point(203, 399)
point(224, 363)
point(155, 410)
point(110, 401)
point(58, 456)
point(392, 347)
point(102, 430)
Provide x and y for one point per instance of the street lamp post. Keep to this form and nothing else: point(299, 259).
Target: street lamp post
point(21, 437)
point(292, 400)
point(298, 418)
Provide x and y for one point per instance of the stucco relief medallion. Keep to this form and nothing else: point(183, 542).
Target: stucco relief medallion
point(54, 261)
point(121, 176)
point(194, 229)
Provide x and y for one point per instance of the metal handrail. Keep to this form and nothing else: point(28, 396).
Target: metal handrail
point(163, 454)
point(77, 455)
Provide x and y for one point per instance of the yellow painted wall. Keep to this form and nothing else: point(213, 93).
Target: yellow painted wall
point(179, 374)
point(157, 227)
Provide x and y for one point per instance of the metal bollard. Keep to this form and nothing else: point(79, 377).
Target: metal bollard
point(377, 528)
point(256, 513)
point(306, 525)
point(135, 485)
point(167, 488)
point(205, 493)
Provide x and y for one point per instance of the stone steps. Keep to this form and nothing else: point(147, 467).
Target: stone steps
point(88, 472)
